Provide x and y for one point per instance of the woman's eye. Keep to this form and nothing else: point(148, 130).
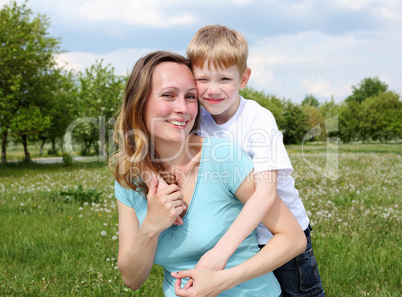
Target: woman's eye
point(191, 96)
point(167, 95)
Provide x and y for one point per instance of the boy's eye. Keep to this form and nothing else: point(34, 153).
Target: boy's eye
point(200, 79)
point(225, 78)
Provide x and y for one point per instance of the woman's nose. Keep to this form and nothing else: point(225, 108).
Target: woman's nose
point(181, 105)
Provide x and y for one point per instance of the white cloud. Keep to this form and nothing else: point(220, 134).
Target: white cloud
point(320, 87)
point(149, 13)
point(292, 66)
point(243, 2)
point(122, 60)
point(295, 48)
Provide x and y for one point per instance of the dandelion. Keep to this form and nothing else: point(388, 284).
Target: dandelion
point(100, 215)
point(103, 233)
point(69, 217)
point(114, 237)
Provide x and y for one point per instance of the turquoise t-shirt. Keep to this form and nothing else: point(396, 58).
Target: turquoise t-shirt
point(212, 210)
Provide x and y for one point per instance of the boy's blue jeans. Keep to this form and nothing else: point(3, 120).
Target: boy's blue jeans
point(300, 277)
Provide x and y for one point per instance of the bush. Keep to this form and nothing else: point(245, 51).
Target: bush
point(81, 196)
point(67, 159)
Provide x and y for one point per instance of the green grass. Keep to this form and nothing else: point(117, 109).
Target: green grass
point(49, 247)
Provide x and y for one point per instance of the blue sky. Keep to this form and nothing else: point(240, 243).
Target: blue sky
point(296, 48)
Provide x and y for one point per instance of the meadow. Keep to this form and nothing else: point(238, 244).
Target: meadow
point(59, 225)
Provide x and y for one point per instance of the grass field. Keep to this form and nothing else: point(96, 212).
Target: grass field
point(54, 246)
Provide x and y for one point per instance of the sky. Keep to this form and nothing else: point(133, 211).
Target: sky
point(322, 48)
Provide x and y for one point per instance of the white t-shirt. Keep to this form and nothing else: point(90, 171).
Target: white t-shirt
point(254, 129)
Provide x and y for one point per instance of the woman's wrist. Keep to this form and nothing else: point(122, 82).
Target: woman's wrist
point(148, 230)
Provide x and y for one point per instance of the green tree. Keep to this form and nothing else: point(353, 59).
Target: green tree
point(26, 57)
point(100, 93)
point(295, 124)
point(349, 122)
point(367, 88)
point(382, 116)
point(314, 117)
point(310, 100)
point(329, 109)
point(61, 107)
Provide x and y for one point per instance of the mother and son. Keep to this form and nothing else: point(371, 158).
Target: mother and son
point(212, 199)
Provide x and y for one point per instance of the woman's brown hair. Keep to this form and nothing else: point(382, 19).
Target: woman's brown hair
point(131, 134)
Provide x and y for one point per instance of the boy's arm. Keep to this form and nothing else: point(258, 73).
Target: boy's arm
point(288, 242)
point(251, 215)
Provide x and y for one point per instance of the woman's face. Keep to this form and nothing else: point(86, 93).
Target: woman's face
point(171, 106)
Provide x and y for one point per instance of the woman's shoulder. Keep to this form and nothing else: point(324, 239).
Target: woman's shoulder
point(220, 150)
point(128, 196)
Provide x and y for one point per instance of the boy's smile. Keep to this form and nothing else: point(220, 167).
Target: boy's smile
point(218, 89)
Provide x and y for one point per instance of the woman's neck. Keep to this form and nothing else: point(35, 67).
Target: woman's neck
point(174, 155)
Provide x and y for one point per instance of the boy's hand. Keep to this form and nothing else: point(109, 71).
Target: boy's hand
point(211, 260)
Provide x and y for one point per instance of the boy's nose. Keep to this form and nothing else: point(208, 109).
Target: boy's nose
point(213, 88)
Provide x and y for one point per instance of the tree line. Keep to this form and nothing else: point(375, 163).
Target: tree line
point(371, 112)
point(40, 99)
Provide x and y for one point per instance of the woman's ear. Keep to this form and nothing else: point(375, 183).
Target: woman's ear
point(244, 78)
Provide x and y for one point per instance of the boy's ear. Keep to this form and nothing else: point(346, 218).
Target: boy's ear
point(244, 78)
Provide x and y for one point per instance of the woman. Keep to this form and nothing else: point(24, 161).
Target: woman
point(209, 179)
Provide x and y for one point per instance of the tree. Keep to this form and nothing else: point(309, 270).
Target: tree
point(349, 121)
point(313, 118)
point(367, 88)
point(382, 116)
point(100, 93)
point(60, 107)
point(26, 57)
point(295, 124)
point(310, 100)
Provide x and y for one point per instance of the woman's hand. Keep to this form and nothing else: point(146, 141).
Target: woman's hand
point(205, 283)
point(163, 207)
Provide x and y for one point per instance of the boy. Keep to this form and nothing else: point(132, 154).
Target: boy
point(219, 60)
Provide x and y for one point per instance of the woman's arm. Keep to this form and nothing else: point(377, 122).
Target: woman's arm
point(137, 244)
point(288, 241)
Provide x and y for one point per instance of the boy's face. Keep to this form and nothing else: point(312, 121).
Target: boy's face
point(218, 89)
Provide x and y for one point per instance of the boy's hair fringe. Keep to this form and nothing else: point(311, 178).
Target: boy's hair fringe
point(220, 46)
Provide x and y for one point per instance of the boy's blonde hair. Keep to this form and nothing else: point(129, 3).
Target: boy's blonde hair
point(220, 46)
